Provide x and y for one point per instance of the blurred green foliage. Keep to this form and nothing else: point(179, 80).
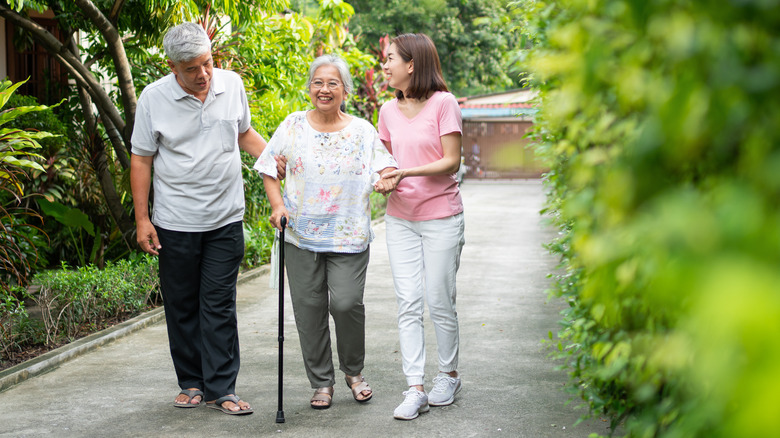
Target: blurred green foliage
point(378, 205)
point(473, 38)
point(659, 119)
point(258, 239)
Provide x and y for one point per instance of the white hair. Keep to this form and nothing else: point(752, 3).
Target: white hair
point(336, 61)
point(186, 42)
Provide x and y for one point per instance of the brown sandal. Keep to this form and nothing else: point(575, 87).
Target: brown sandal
point(357, 390)
point(324, 394)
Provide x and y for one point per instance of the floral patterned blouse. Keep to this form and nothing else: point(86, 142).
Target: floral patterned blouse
point(330, 176)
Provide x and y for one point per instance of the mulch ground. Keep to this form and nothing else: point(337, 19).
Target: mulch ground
point(28, 352)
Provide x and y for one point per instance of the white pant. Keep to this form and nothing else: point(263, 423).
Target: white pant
point(424, 258)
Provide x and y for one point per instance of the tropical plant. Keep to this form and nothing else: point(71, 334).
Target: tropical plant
point(19, 240)
point(68, 181)
point(55, 183)
point(76, 222)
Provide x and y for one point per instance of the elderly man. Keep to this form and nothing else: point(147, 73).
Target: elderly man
point(189, 126)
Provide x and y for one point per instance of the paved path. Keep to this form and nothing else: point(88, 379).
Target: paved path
point(125, 388)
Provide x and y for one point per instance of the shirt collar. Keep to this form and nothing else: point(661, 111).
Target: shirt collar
point(178, 93)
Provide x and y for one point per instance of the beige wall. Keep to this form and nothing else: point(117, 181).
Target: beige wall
point(503, 151)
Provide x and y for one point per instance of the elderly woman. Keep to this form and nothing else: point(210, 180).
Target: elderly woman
point(333, 160)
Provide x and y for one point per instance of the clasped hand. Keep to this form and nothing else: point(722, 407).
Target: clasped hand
point(388, 181)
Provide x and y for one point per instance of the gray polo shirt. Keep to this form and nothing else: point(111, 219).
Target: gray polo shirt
point(198, 184)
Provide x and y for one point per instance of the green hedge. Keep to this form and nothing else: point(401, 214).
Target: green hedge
point(15, 326)
point(660, 120)
point(76, 302)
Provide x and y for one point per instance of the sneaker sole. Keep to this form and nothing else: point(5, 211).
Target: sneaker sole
point(422, 410)
point(446, 402)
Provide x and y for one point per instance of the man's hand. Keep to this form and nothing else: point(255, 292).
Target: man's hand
point(281, 167)
point(146, 236)
point(252, 143)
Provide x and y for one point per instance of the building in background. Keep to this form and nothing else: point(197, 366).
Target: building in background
point(23, 59)
point(494, 128)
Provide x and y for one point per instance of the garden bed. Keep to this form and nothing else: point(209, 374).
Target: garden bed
point(29, 352)
point(68, 304)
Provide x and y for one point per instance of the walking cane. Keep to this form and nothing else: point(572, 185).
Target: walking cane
point(280, 410)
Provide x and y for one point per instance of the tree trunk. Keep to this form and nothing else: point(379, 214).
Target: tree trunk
point(99, 162)
point(115, 10)
point(117, 50)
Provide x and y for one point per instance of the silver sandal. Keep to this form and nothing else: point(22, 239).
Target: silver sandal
point(357, 390)
point(324, 394)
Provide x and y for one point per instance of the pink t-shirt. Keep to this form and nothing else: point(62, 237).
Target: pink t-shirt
point(415, 142)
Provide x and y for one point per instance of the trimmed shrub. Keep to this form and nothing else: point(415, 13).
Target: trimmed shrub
point(15, 326)
point(74, 302)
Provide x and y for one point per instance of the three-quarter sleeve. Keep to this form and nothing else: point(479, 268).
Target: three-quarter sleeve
point(381, 157)
point(277, 145)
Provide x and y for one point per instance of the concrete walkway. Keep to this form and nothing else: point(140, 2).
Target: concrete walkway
point(510, 387)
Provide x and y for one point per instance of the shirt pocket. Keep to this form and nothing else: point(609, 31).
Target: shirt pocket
point(228, 129)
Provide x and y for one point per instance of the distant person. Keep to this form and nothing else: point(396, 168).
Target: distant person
point(474, 159)
point(334, 159)
point(189, 127)
point(475, 149)
point(425, 226)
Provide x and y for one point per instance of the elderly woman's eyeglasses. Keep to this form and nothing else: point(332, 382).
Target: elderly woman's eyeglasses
point(318, 83)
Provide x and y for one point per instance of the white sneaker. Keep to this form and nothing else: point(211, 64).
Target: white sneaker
point(415, 403)
point(444, 389)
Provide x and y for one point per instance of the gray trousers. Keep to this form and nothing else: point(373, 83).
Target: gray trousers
point(322, 283)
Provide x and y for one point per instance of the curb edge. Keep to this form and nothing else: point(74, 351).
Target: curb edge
point(54, 358)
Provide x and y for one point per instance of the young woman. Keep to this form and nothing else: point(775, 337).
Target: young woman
point(422, 127)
